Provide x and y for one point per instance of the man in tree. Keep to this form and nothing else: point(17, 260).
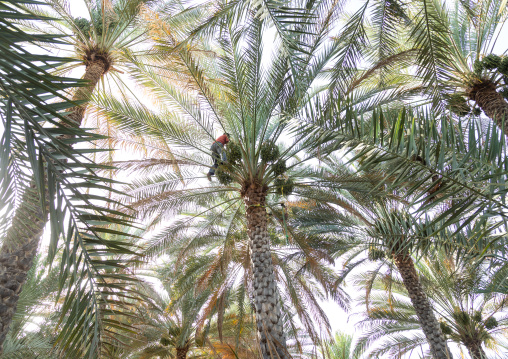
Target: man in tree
point(218, 153)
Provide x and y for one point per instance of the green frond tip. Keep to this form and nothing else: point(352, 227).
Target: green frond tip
point(491, 323)
point(279, 167)
point(503, 66)
point(269, 151)
point(491, 62)
point(223, 173)
point(233, 152)
point(284, 187)
point(458, 105)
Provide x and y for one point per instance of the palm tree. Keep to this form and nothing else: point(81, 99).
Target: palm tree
point(380, 224)
point(389, 233)
point(469, 318)
point(452, 45)
point(97, 48)
point(255, 104)
point(32, 147)
point(18, 107)
point(427, 51)
point(101, 44)
point(397, 232)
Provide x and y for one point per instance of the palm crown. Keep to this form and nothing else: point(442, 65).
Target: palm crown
point(465, 63)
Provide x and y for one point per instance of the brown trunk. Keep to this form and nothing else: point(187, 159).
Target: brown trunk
point(16, 256)
point(181, 353)
point(475, 349)
point(21, 242)
point(268, 313)
point(491, 102)
point(423, 309)
point(94, 72)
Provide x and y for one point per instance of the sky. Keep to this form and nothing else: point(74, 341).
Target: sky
point(339, 320)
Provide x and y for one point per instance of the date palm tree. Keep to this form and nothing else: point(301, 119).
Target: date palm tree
point(99, 41)
point(258, 104)
point(452, 45)
point(41, 176)
point(356, 224)
point(395, 230)
point(17, 104)
point(397, 233)
point(97, 45)
point(467, 317)
point(449, 54)
point(360, 234)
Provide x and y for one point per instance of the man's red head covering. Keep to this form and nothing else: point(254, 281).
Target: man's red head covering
point(223, 139)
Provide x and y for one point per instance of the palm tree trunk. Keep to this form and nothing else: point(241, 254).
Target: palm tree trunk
point(421, 304)
point(491, 102)
point(268, 312)
point(181, 353)
point(475, 349)
point(94, 72)
point(16, 256)
point(21, 242)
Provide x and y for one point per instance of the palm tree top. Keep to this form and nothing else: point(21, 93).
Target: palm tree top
point(104, 33)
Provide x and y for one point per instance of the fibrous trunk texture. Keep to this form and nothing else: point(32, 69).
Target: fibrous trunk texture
point(21, 242)
point(491, 102)
point(268, 313)
point(475, 349)
point(94, 72)
point(423, 309)
point(181, 353)
point(16, 256)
